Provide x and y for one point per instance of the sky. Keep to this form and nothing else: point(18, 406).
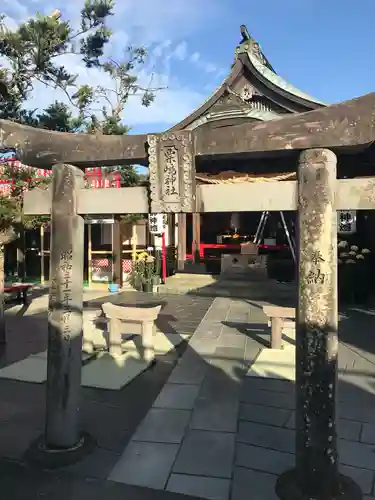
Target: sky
point(323, 47)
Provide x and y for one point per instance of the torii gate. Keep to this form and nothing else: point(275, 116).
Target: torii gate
point(316, 136)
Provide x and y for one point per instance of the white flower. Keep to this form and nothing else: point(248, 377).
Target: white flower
point(360, 256)
point(350, 261)
point(354, 248)
point(352, 253)
point(343, 244)
point(365, 250)
point(150, 249)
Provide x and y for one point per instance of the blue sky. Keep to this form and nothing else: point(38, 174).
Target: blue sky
point(325, 48)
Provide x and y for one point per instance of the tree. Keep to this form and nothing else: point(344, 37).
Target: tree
point(32, 54)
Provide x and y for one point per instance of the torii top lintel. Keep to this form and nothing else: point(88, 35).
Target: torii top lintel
point(351, 123)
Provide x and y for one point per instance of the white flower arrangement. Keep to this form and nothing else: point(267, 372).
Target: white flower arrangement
point(354, 248)
point(366, 251)
point(360, 257)
point(342, 244)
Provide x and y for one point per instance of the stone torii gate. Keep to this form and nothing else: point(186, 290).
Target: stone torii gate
point(315, 138)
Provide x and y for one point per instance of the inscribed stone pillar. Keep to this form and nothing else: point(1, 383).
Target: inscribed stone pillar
point(316, 474)
point(65, 310)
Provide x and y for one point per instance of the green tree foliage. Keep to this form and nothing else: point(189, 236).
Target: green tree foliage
point(32, 54)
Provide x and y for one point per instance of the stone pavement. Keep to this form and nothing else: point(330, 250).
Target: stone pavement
point(110, 416)
point(216, 434)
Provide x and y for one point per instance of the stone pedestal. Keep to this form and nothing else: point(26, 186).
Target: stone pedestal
point(243, 266)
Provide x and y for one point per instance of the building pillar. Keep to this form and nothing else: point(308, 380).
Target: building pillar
point(181, 244)
point(316, 474)
point(117, 252)
point(196, 221)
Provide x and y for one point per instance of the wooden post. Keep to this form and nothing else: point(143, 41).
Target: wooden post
point(117, 252)
point(63, 442)
point(316, 474)
point(196, 221)
point(181, 244)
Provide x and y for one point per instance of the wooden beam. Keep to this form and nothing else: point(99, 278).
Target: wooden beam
point(44, 148)
point(354, 194)
point(349, 123)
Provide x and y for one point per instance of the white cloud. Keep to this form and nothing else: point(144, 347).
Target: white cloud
point(180, 52)
point(194, 57)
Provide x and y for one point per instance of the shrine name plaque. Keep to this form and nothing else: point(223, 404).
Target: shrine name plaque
point(172, 172)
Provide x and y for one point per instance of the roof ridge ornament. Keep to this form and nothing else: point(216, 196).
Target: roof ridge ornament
point(249, 44)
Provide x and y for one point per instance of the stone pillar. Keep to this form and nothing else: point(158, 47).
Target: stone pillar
point(316, 474)
point(63, 442)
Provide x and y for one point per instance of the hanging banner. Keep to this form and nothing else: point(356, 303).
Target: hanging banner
point(157, 223)
point(346, 221)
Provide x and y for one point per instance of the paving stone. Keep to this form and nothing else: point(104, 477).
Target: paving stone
point(253, 485)
point(252, 350)
point(203, 347)
point(268, 398)
point(266, 436)
point(267, 384)
point(231, 353)
point(205, 453)
point(145, 464)
point(364, 478)
point(211, 488)
point(98, 464)
point(208, 329)
point(346, 429)
point(177, 396)
point(359, 455)
point(163, 426)
point(192, 374)
point(264, 414)
point(263, 459)
point(233, 341)
point(368, 433)
point(357, 413)
point(216, 407)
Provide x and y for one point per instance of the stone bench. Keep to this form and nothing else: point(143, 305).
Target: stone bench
point(281, 320)
point(120, 320)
